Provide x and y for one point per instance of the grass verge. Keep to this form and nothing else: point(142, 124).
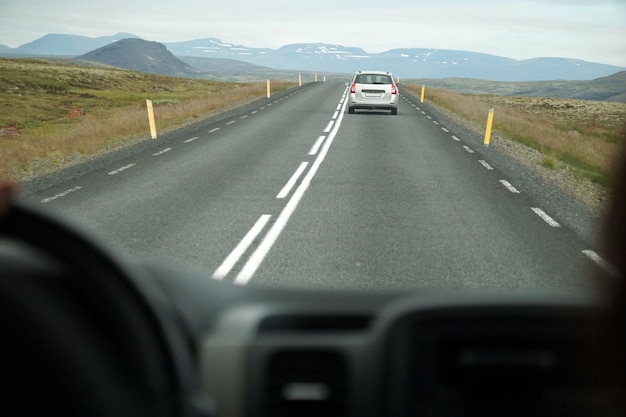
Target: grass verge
point(586, 135)
point(54, 115)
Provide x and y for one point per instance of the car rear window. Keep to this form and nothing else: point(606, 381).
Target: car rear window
point(373, 79)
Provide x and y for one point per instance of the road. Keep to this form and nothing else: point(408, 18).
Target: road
point(293, 191)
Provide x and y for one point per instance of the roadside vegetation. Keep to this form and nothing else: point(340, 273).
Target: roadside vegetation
point(586, 135)
point(53, 115)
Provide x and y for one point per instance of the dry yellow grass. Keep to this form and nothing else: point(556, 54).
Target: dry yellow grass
point(585, 134)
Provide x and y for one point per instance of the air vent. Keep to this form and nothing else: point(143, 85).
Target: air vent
point(315, 323)
point(306, 383)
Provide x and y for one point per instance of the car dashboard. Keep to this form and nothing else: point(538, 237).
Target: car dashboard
point(410, 355)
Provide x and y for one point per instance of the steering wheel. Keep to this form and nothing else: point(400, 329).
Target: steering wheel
point(78, 336)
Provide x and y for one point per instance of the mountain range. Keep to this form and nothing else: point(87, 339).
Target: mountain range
point(326, 58)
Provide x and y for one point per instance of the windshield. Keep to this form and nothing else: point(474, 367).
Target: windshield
point(229, 137)
point(373, 79)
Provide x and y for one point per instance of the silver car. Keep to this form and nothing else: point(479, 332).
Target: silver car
point(373, 90)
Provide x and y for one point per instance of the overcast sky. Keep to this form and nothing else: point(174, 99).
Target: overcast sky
point(592, 30)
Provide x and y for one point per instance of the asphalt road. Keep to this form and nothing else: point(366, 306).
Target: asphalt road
point(294, 191)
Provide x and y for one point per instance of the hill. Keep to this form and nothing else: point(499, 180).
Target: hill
point(139, 55)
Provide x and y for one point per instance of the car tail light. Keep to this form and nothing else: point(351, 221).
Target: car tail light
point(394, 90)
point(353, 88)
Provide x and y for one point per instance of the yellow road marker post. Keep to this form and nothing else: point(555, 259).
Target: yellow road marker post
point(153, 131)
point(489, 126)
point(269, 91)
point(422, 95)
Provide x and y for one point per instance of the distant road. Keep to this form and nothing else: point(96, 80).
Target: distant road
point(294, 191)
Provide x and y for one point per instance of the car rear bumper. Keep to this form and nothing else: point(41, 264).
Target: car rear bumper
point(363, 106)
point(372, 104)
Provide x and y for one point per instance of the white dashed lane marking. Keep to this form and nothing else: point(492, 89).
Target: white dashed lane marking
point(486, 165)
point(166, 150)
point(124, 168)
point(316, 145)
point(600, 261)
point(545, 217)
point(292, 181)
point(509, 186)
point(241, 248)
point(61, 194)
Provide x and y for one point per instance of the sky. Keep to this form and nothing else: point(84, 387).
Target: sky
point(591, 30)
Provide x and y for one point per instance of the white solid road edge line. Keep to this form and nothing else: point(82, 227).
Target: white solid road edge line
point(270, 238)
point(545, 217)
point(232, 259)
point(292, 181)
